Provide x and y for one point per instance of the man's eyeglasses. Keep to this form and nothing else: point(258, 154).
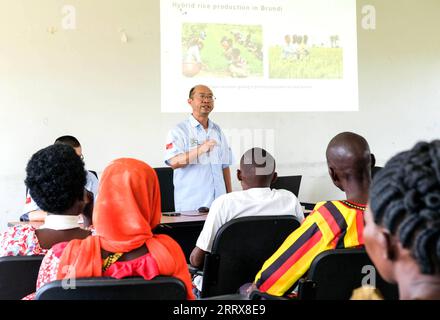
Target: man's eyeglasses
point(207, 97)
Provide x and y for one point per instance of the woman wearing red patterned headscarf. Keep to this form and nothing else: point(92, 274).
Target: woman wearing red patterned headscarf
point(126, 211)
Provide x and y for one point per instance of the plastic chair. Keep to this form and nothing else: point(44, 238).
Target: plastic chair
point(18, 276)
point(334, 274)
point(165, 176)
point(105, 288)
point(240, 248)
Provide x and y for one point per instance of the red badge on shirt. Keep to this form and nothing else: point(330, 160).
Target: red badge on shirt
point(169, 146)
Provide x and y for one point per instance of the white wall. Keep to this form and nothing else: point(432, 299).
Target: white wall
point(105, 92)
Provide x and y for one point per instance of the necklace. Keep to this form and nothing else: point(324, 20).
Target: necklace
point(112, 258)
point(351, 205)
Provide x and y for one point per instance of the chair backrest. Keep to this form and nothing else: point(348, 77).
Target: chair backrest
point(105, 288)
point(290, 183)
point(18, 276)
point(239, 250)
point(184, 233)
point(375, 170)
point(334, 274)
point(165, 176)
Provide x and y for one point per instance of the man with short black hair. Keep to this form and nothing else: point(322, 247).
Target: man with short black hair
point(332, 224)
point(31, 210)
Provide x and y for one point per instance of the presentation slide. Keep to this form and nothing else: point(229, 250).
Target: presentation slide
point(260, 56)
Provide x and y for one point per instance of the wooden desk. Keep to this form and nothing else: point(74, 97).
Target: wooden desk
point(184, 217)
point(185, 228)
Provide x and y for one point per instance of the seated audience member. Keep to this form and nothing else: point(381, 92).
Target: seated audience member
point(192, 62)
point(288, 49)
point(238, 65)
point(126, 211)
point(332, 224)
point(256, 173)
point(31, 210)
point(402, 222)
point(227, 45)
point(55, 178)
point(303, 50)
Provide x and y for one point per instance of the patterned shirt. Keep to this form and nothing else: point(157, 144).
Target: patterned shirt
point(20, 240)
point(332, 224)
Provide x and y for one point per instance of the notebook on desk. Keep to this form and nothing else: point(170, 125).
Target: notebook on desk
point(193, 213)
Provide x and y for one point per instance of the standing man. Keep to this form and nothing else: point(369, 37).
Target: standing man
point(198, 152)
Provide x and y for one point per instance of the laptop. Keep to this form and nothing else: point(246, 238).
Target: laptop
point(290, 183)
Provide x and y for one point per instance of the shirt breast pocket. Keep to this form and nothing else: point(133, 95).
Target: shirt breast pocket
point(193, 143)
point(192, 147)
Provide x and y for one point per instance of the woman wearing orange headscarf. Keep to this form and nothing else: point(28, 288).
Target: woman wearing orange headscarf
point(127, 209)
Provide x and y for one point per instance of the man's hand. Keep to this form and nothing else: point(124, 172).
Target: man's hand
point(207, 146)
point(183, 159)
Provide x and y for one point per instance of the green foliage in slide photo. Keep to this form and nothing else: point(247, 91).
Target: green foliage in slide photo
point(313, 63)
point(222, 50)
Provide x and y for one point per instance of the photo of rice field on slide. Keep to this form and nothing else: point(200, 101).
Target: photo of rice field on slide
point(296, 59)
point(222, 50)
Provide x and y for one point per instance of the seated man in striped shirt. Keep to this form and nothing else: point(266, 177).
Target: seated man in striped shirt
point(332, 224)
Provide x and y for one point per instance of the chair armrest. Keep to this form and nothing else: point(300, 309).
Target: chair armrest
point(306, 289)
point(232, 296)
point(258, 295)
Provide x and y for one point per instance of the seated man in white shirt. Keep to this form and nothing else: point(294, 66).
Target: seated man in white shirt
point(256, 173)
point(31, 210)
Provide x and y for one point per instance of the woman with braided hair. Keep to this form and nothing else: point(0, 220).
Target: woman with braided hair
point(402, 222)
